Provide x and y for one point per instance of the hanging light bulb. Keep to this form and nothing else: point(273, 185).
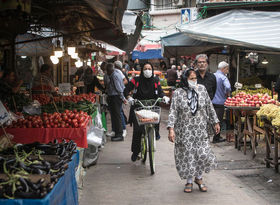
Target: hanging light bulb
point(89, 62)
point(78, 63)
point(74, 56)
point(53, 58)
point(264, 61)
point(71, 50)
point(58, 52)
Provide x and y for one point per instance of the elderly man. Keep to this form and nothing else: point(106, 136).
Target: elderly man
point(223, 90)
point(204, 77)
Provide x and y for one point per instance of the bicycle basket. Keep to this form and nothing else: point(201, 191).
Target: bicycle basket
point(147, 115)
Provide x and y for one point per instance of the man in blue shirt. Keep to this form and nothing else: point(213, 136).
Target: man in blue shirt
point(115, 100)
point(222, 92)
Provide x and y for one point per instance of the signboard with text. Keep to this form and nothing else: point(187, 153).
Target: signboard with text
point(64, 88)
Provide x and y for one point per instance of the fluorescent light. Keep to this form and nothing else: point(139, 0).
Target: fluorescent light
point(23, 56)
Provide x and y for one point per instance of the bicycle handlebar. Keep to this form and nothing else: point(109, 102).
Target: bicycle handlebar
point(149, 106)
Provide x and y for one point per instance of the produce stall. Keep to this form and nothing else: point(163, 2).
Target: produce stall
point(256, 114)
point(39, 174)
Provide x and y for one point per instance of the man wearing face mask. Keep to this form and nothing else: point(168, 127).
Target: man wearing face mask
point(222, 92)
point(145, 87)
point(204, 77)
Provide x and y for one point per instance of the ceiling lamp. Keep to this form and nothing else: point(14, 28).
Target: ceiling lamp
point(89, 62)
point(75, 56)
point(71, 50)
point(264, 61)
point(58, 52)
point(54, 59)
point(78, 63)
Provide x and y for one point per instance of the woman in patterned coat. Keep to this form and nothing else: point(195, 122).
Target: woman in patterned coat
point(190, 110)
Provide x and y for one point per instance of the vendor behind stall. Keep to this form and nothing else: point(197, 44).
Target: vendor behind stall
point(9, 84)
point(43, 82)
point(90, 81)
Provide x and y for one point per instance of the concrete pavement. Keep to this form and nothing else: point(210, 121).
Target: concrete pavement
point(117, 180)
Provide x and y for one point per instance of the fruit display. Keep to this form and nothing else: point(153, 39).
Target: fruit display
point(45, 99)
point(270, 112)
point(243, 99)
point(251, 80)
point(67, 119)
point(252, 90)
point(32, 170)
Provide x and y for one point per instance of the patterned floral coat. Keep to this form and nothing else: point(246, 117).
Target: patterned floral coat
point(193, 154)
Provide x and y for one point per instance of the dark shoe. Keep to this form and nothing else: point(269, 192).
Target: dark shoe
point(157, 137)
point(218, 140)
point(134, 157)
point(117, 139)
point(188, 188)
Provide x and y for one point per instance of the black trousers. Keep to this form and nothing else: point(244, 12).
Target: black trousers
point(220, 114)
point(137, 133)
point(115, 103)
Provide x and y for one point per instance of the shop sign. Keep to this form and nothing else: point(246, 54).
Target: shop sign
point(4, 115)
point(188, 15)
point(64, 88)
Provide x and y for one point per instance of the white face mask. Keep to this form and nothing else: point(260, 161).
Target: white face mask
point(192, 83)
point(148, 73)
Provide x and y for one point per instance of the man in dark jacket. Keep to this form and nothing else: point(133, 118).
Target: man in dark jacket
point(172, 76)
point(204, 77)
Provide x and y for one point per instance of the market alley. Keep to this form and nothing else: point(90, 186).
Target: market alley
point(116, 180)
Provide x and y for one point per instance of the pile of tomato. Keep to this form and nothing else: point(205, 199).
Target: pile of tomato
point(67, 119)
point(44, 99)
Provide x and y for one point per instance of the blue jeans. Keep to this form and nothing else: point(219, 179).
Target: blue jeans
point(123, 119)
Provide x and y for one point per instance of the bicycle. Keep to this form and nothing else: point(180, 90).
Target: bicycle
point(148, 115)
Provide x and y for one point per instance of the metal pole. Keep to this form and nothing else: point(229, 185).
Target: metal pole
point(237, 68)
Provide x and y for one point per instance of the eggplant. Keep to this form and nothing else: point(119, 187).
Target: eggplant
point(27, 195)
point(32, 185)
point(24, 184)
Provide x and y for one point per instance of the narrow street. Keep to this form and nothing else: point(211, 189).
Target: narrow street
point(237, 180)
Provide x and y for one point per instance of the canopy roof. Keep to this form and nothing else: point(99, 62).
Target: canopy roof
point(243, 28)
point(179, 44)
point(79, 19)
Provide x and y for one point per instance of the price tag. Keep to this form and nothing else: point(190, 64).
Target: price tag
point(4, 115)
point(258, 85)
point(64, 88)
point(238, 85)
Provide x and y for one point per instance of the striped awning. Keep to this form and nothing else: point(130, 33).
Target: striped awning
point(243, 28)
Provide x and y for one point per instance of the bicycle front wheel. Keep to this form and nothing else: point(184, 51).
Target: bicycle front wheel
point(144, 149)
point(151, 144)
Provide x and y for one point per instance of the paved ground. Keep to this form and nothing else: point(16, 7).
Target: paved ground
point(117, 180)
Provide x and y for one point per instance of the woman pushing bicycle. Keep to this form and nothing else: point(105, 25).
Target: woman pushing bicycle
point(145, 87)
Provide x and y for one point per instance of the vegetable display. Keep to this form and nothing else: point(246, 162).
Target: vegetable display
point(67, 119)
point(32, 170)
point(85, 106)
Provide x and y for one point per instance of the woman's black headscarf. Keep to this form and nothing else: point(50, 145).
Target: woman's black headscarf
point(146, 88)
point(88, 76)
point(192, 95)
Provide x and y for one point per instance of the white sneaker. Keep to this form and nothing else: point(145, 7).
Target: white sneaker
point(124, 133)
point(110, 134)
